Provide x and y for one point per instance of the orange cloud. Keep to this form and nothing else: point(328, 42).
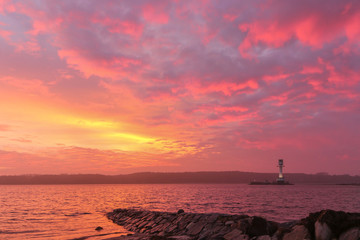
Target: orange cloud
point(4, 127)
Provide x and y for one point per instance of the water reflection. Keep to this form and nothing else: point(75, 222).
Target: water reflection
point(74, 211)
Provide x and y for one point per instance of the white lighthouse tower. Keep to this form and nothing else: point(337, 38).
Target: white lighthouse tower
point(281, 176)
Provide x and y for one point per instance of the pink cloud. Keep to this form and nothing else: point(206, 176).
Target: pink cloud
point(231, 109)
point(341, 76)
point(310, 27)
point(311, 70)
point(275, 78)
point(230, 17)
point(7, 6)
point(33, 86)
point(352, 28)
point(5, 34)
point(155, 13)
point(224, 87)
point(128, 27)
point(269, 33)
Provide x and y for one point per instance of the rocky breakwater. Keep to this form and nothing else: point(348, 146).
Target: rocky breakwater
point(324, 225)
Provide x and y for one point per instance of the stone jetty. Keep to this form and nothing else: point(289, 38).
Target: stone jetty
point(323, 225)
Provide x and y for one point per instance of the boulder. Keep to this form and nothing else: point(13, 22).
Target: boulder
point(243, 225)
point(236, 235)
point(272, 227)
point(180, 211)
point(98, 228)
point(299, 232)
point(336, 222)
point(322, 231)
point(213, 217)
point(195, 228)
point(258, 227)
point(351, 234)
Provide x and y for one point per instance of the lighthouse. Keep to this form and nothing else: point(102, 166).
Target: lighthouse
point(279, 181)
point(281, 176)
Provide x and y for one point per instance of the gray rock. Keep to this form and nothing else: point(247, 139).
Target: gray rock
point(299, 232)
point(206, 232)
point(236, 234)
point(351, 234)
point(229, 222)
point(183, 223)
point(182, 237)
point(195, 228)
point(213, 217)
point(322, 231)
point(171, 228)
point(178, 219)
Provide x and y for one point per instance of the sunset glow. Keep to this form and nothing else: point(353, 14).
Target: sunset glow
point(118, 87)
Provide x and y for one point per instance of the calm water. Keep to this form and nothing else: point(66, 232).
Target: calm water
point(72, 211)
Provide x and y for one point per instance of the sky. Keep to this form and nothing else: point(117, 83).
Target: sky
point(116, 87)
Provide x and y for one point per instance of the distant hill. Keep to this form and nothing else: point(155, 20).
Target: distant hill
point(173, 178)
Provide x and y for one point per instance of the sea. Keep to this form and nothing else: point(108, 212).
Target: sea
point(74, 211)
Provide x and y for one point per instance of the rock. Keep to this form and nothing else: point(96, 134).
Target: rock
point(322, 231)
point(98, 228)
point(206, 232)
point(180, 211)
point(233, 234)
point(264, 237)
point(323, 225)
point(299, 232)
point(229, 223)
point(351, 234)
point(213, 217)
point(195, 228)
point(336, 221)
point(288, 224)
point(272, 227)
point(258, 227)
point(182, 237)
point(243, 225)
point(171, 228)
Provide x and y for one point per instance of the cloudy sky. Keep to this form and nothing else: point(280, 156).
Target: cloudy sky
point(117, 87)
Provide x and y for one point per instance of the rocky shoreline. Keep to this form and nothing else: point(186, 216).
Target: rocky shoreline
point(323, 225)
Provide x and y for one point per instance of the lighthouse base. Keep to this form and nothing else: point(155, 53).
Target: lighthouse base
point(277, 182)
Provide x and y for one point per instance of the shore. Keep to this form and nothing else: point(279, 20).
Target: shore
point(324, 225)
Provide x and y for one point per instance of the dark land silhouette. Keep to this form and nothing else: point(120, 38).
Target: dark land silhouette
point(178, 178)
